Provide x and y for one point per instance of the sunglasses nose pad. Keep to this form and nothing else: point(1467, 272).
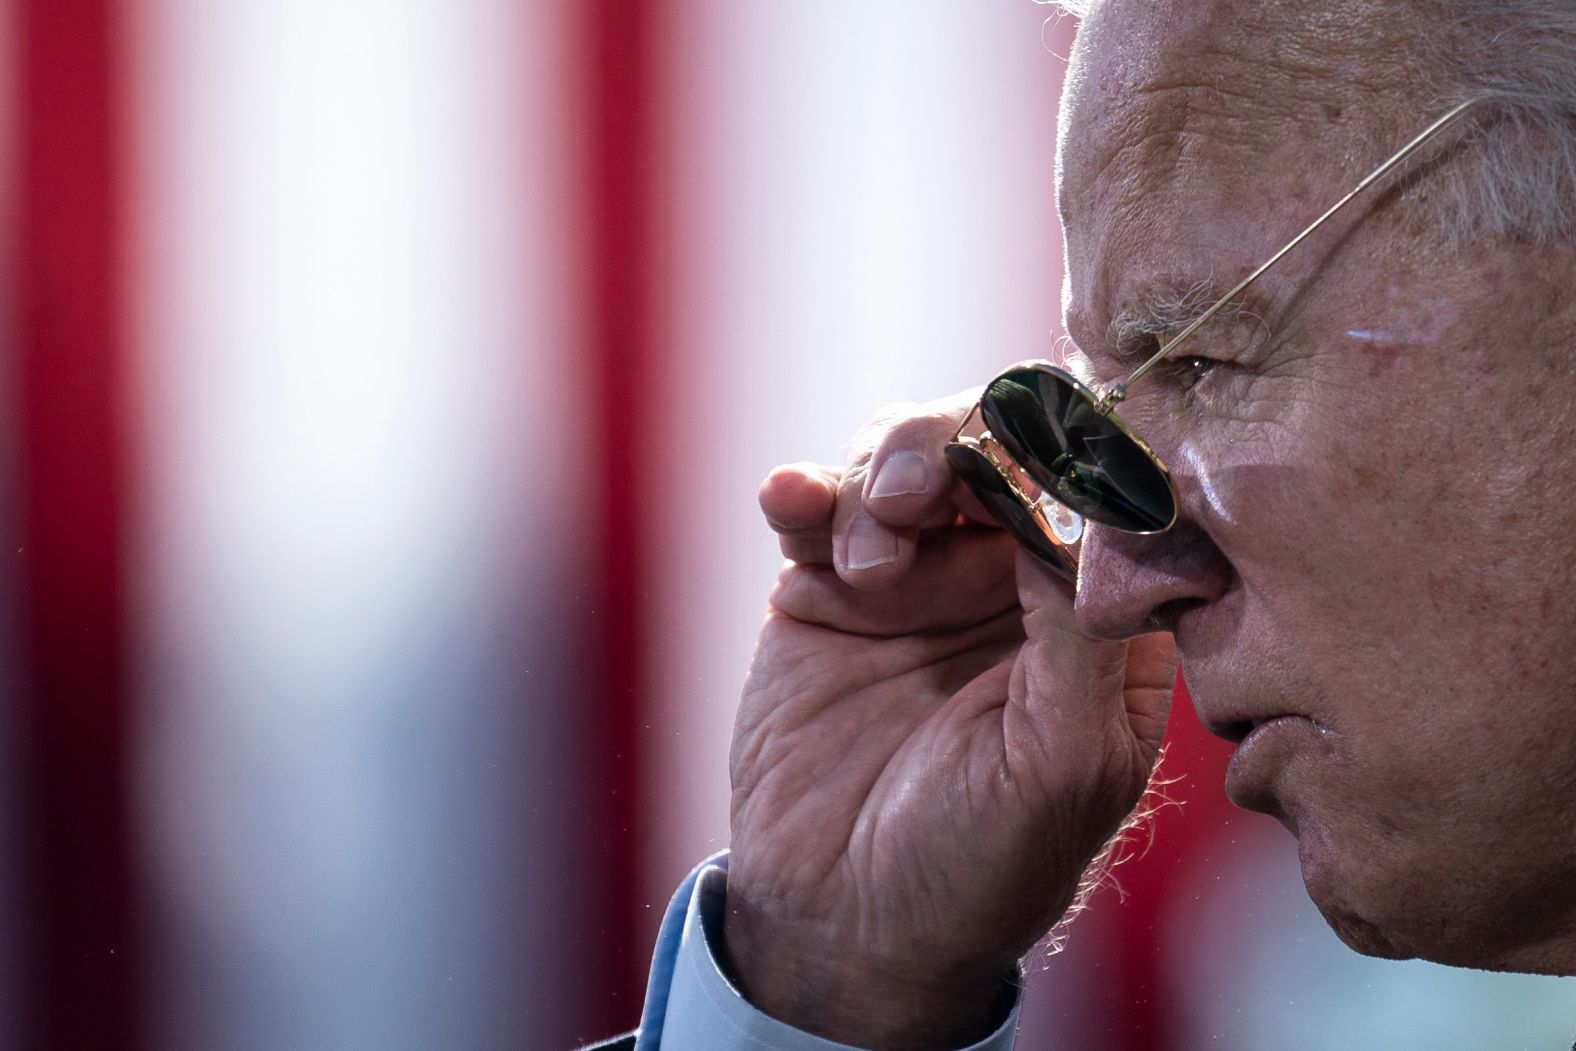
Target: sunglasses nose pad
point(1024, 518)
point(1067, 524)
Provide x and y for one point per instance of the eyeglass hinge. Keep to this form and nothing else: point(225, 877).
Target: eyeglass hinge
point(1108, 400)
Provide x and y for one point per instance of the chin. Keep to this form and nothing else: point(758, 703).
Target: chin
point(1363, 936)
point(1333, 896)
point(1395, 905)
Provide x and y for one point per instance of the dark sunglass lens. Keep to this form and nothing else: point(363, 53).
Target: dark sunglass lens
point(986, 483)
point(1085, 460)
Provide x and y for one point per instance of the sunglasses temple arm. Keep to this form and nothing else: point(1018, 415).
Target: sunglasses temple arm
point(964, 424)
point(1118, 392)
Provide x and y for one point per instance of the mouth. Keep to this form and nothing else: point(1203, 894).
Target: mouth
point(1238, 731)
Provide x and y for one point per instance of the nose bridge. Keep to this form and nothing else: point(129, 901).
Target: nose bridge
point(1160, 426)
point(1157, 416)
point(1203, 473)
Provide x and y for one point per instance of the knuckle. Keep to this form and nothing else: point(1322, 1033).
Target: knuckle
point(887, 415)
point(920, 430)
point(876, 429)
point(789, 583)
point(796, 595)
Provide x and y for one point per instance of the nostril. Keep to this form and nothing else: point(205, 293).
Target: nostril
point(1166, 615)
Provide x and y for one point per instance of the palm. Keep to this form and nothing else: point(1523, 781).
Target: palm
point(889, 755)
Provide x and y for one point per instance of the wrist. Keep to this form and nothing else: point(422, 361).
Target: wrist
point(839, 992)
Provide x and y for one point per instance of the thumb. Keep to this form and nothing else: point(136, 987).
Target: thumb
point(1088, 701)
point(1147, 689)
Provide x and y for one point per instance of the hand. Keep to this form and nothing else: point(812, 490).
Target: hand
point(928, 753)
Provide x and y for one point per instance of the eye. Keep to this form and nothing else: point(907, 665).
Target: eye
point(1187, 370)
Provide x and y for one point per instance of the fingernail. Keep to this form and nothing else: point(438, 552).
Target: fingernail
point(870, 544)
point(903, 474)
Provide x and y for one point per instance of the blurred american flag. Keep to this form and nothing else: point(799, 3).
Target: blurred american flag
point(384, 390)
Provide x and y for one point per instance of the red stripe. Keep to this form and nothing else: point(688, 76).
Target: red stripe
point(1144, 1007)
point(620, 196)
point(82, 953)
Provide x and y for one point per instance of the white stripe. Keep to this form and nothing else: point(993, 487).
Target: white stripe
point(348, 325)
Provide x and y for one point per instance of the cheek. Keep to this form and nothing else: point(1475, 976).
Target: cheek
point(1213, 484)
point(1457, 786)
point(1267, 494)
point(1324, 483)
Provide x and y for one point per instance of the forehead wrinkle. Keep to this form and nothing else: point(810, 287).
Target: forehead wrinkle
point(1227, 85)
point(1171, 145)
point(1154, 134)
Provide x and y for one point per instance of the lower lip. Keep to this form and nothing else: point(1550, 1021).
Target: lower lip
point(1259, 759)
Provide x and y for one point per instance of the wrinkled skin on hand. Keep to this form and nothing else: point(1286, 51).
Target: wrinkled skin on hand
point(928, 752)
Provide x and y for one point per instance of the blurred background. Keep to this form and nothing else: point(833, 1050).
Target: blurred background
point(384, 388)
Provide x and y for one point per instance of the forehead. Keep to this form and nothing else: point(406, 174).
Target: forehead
point(1198, 135)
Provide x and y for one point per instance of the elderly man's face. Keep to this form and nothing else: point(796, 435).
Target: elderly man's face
point(1376, 464)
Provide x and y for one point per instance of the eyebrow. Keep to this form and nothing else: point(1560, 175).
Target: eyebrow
point(1164, 309)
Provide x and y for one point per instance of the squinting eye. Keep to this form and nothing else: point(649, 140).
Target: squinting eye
point(1190, 369)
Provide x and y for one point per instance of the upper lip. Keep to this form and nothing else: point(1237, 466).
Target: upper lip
point(1225, 709)
point(1205, 635)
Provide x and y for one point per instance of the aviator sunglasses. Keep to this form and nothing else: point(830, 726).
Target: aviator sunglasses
point(1046, 431)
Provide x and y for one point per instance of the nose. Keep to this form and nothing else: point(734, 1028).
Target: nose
point(1131, 585)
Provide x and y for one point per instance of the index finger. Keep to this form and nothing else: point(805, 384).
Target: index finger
point(896, 483)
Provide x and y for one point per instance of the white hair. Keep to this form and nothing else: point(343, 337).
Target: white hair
point(1520, 180)
point(1517, 179)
